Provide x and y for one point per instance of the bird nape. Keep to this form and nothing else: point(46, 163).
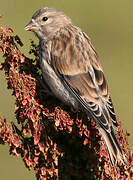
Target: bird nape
point(71, 66)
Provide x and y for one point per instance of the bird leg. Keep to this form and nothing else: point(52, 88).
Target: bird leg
point(45, 89)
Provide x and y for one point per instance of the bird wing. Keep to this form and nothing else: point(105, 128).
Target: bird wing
point(76, 62)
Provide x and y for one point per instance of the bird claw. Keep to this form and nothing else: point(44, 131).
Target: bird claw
point(45, 89)
point(73, 109)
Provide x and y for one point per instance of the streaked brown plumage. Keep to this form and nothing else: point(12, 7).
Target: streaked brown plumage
point(71, 68)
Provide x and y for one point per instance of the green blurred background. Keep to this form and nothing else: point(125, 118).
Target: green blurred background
point(110, 26)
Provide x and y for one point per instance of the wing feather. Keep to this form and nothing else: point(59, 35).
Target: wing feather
point(77, 63)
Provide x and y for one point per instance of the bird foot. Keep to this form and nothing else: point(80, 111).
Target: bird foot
point(45, 89)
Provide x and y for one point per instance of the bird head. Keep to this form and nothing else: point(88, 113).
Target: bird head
point(47, 21)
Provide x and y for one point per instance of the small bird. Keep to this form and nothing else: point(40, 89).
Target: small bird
point(72, 70)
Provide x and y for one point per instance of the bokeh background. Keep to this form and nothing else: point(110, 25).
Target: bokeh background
point(110, 26)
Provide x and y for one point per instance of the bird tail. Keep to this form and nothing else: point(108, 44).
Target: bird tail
point(113, 147)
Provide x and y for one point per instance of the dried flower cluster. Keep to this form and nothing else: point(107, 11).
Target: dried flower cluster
point(52, 140)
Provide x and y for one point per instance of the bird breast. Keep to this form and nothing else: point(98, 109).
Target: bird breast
point(52, 79)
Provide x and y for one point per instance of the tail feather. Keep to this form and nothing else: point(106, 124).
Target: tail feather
point(113, 147)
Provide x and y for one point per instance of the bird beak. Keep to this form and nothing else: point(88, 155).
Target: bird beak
point(32, 26)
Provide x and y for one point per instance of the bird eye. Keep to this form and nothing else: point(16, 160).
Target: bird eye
point(45, 18)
